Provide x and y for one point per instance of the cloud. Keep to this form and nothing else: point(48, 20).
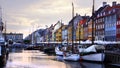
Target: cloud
point(21, 15)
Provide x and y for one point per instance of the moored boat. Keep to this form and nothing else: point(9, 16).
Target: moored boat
point(93, 53)
point(58, 51)
point(96, 57)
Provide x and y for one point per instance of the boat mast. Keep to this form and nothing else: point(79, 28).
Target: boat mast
point(72, 27)
point(5, 32)
point(79, 32)
point(1, 22)
point(61, 32)
point(93, 22)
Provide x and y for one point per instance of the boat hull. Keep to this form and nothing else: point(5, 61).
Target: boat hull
point(97, 57)
point(72, 57)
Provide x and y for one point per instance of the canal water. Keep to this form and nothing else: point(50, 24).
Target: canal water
point(37, 59)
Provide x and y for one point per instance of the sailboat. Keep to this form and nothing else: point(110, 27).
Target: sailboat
point(91, 53)
point(72, 56)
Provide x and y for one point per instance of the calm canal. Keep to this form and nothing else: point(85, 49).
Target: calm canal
point(37, 59)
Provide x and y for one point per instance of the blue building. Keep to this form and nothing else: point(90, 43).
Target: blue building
point(110, 22)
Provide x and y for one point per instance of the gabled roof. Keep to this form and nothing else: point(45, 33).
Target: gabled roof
point(100, 10)
point(73, 19)
point(113, 7)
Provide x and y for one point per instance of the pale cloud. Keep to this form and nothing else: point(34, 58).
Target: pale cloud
point(26, 15)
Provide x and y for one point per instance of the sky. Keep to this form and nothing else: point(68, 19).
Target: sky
point(26, 16)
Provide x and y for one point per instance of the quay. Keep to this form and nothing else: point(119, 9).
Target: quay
point(112, 57)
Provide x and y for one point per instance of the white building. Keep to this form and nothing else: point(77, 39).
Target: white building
point(15, 37)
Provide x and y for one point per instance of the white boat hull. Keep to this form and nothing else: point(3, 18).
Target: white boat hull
point(58, 52)
point(72, 57)
point(98, 57)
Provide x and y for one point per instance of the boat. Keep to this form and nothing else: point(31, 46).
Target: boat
point(93, 53)
point(58, 51)
point(96, 57)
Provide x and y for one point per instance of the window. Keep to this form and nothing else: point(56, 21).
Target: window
point(113, 10)
point(104, 13)
point(109, 12)
point(117, 22)
point(103, 19)
point(100, 14)
point(96, 21)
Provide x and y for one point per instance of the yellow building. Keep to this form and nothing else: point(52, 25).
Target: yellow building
point(70, 33)
point(79, 32)
point(58, 35)
point(90, 30)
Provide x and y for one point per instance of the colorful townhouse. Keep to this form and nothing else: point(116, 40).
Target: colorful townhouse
point(84, 25)
point(90, 29)
point(55, 27)
point(64, 33)
point(118, 26)
point(72, 29)
point(57, 35)
point(111, 14)
point(100, 22)
point(50, 33)
point(81, 31)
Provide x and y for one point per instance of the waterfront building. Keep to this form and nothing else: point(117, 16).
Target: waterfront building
point(90, 29)
point(84, 25)
point(64, 33)
point(75, 20)
point(45, 35)
point(118, 25)
point(55, 34)
point(111, 27)
point(39, 35)
point(80, 35)
point(100, 22)
point(50, 33)
point(15, 37)
point(58, 33)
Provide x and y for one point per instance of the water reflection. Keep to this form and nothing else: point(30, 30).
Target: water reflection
point(37, 59)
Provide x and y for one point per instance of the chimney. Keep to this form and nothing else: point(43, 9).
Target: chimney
point(104, 4)
point(76, 14)
point(113, 3)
